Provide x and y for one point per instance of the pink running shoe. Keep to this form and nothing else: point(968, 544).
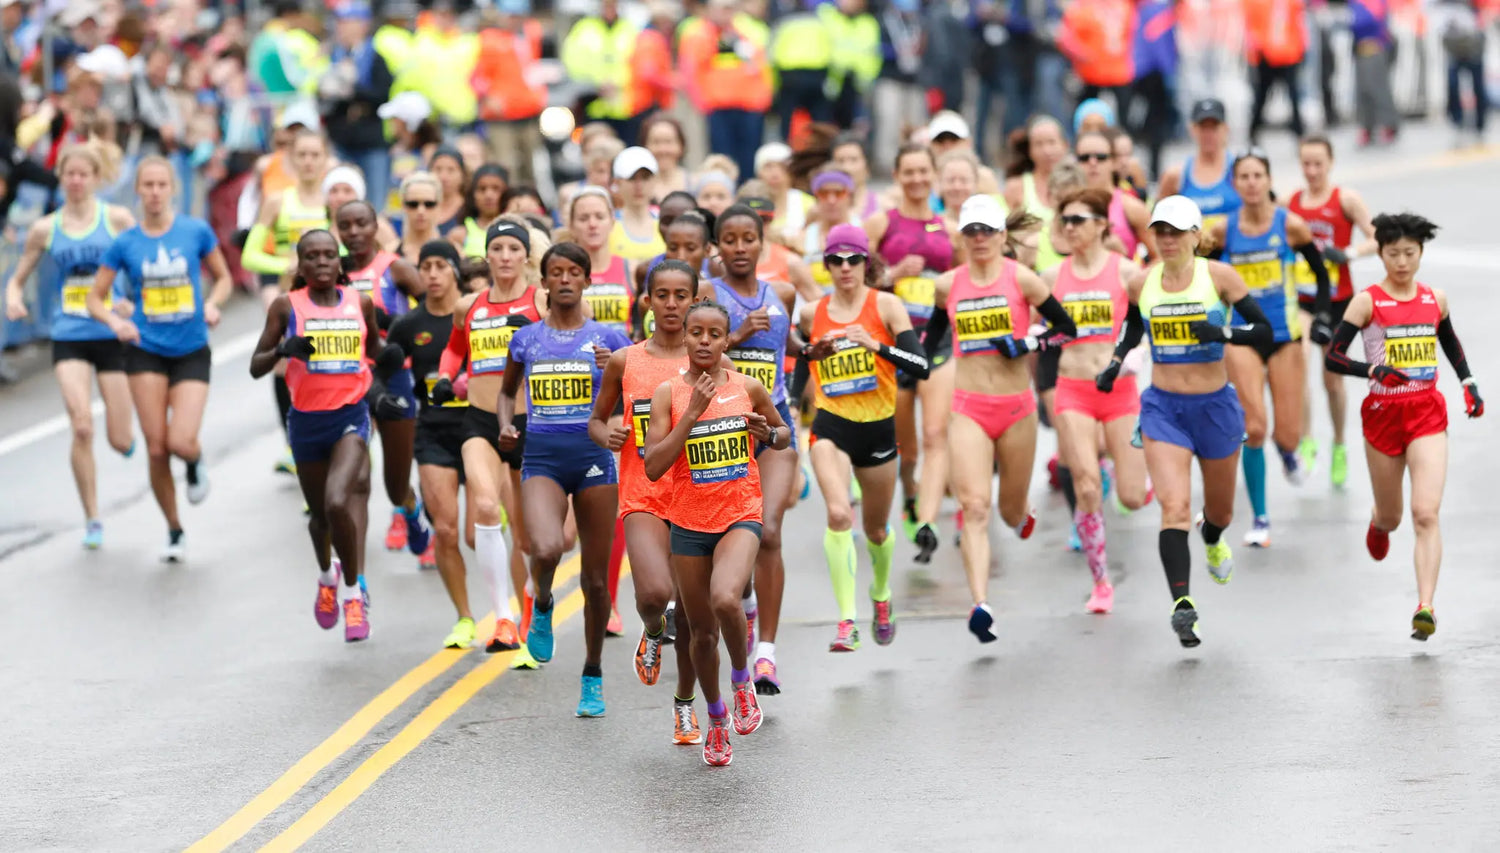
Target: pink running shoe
point(326, 608)
point(356, 626)
point(1103, 599)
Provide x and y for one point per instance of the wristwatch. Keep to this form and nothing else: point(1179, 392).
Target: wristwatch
point(771, 439)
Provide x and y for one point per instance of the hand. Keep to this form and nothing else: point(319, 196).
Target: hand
point(758, 320)
point(391, 407)
point(703, 394)
point(1473, 403)
point(1322, 328)
point(126, 331)
point(1014, 347)
point(461, 386)
point(509, 438)
point(443, 391)
point(907, 267)
point(1105, 381)
point(296, 346)
point(821, 348)
point(124, 308)
point(1209, 333)
point(617, 437)
point(759, 429)
point(383, 320)
point(1335, 255)
point(518, 320)
point(1388, 376)
point(15, 305)
point(860, 335)
point(601, 357)
point(211, 315)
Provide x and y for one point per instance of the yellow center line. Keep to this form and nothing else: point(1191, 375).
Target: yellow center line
point(350, 734)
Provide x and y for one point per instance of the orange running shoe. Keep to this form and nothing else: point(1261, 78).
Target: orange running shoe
point(648, 656)
point(428, 560)
point(356, 625)
point(527, 601)
point(395, 535)
point(686, 731)
point(505, 638)
point(615, 627)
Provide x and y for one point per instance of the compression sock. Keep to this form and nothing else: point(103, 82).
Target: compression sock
point(1090, 526)
point(1211, 532)
point(882, 556)
point(1176, 561)
point(616, 556)
point(494, 561)
point(1253, 460)
point(838, 547)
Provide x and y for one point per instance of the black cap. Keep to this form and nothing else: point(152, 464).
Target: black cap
point(759, 204)
point(506, 228)
point(1208, 108)
point(439, 249)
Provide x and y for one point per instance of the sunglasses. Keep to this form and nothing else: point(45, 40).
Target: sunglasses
point(852, 259)
point(413, 205)
point(1094, 157)
point(1077, 219)
point(977, 230)
point(831, 191)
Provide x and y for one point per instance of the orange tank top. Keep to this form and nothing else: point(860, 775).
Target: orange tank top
point(715, 482)
point(336, 375)
point(644, 373)
point(854, 383)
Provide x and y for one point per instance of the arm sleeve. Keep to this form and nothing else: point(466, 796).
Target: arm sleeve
point(906, 355)
point(1314, 258)
point(451, 364)
point(1131, 332)
point(1453, 349)
point(932, 334)
point(1256, 329)
point(255, 258)
point(1337, 360)
point(1057, 317)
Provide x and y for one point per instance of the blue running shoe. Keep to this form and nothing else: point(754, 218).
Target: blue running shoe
point(591, 693)
point(539, 638)
point(981, 623)
point(1106, 477)
point(93, 535)
point(364, 591)
point(129, 451)
point(418, 533)
point(1074, 543)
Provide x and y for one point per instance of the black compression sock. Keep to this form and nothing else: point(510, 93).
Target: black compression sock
point(592, 670)
point(283, 399)
point(192, 471)
point(1065, 479)
point(537, 603)
point(1176, 561)
point(1211, 532)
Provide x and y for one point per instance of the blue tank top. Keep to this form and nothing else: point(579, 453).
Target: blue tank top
point(763, 354)
point(76, 258)
point(561, 373)
point(1215, 200)
point(164, 278)
point(1265, 263)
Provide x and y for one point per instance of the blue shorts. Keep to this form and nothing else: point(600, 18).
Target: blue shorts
point(1211, 425)
point(403, 386)
point(791, 424)
point(570, 459)
point(312, 435)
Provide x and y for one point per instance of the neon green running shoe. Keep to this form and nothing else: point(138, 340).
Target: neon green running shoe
point(1423, 623)
point(524, 660)
point(1307, 454)
point(1338, 466)
point(856, 494)
point(1220, 562)
point(462, 635)
point(1185, 622)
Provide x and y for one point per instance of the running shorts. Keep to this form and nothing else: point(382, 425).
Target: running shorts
point(570, 459)
point(486, 425)
point(402, 385)
point(105, 354)
point(1081, 395)
point(193, 367)
point(441, 445)
point(1211, 425)
point(312, 435)
point(1393, 421)
point(995, 413)
point(867, 444)
point(695, 543)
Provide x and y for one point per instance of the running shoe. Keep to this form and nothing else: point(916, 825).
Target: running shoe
point(1028, 525)
point(883, 626)
point(1103, 598)
point(847, 639)
point(958, 529)
point(524, 660)
point(197, 483)
point(909, 519)
point(591, 697)
point(750, 631)
point(539, 639)
point(286, 464)
point(1220, 561)
point(428, 560)
point(364, 589)
point(1054, 473)
point(93, 535)
point(326, 607)
point(670, 617)
point(615, 627)
point(1074, 543)
point(1378, 542)
point(807, 481)
point(1338, 466)
point(528, 602)
point(1295, 467)
point(1136, 440)
point(716, 749)
point(418, 533)
point(1106, 478)
point(395, 535)
point(462, 635)
point(685, 731)
point(1259, 534)
point(745, 710)
point(1307, 456)
point(1423, 623)
point(927, 542)
point(766, 682)
point(356, 623)
point(648, 656)
point(130, 451)
point(504, 639)
point(1185, 622)
point(176, 550)
point(982, 623)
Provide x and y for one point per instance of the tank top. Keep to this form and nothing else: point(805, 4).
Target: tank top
point(1265, 263)
point(1097, 305)
point(1403, 335)
point(812, 255)
point(490, 326)
point(610, 294)
point(625, 246)
point(1119, 223)
point(644, 373)
point(277, 177)
point(928, 239)
point(982, 313)
point(775, 266)
point(76, 257)
point(562, 373)
point(473, 239)
point(1330, 227)
point(715, 482)
point(336, 374)
point(1167, 316)
point(1047, 256)
point(377, 282)
point(1215, 201)
point(761, 355)
point(853, 382)
point(294, 220)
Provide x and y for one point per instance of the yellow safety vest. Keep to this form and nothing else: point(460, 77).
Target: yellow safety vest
point(856, 47)
point(441, 65)
point(801, 43)
point(598, 53)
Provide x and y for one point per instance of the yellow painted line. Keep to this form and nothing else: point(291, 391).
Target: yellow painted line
point(409, 738)
point(1434, 163)
point(348, 735)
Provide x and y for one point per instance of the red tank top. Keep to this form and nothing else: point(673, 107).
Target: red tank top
point(1404, 336)
point(609, 295)
point(336, 375)
point(489, 327)
point(1330, 227)
point(715, 482)
point(982, 313)
point(644, 373)
point(1097, 305)
point(371, 280)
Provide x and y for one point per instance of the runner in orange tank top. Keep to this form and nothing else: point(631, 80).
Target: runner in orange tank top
point(703, 428)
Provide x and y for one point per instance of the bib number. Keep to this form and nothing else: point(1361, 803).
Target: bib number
point(640, 421)
point(562, 390)
point(75, 294)
point(850, 370)
point(718, 450)
point(977, 322)
point(1093, 317)
point(489, 344)
point(918, 294)
point(1306, 282)
point(759, 364)
point(169, 301)
point(1261, 275)
point(1413, 353)
point(338, 346)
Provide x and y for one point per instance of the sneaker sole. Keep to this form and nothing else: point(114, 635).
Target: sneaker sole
point(764, 687)
point(583, 715)
point(749, 731)
point(1187, 633)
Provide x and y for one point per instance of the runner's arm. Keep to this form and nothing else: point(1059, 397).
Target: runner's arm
point(609, 395)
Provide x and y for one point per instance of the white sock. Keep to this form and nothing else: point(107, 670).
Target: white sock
point(329, 576)
point(765, 650)
point(494, 561)
point(749, 602)
point(350, 591)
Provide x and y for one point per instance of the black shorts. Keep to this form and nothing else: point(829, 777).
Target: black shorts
point(194, 366)
point(481, 424)
point(1265, 351)
point(695, 543)
point(943, 355)
point(867, 444)
point(441, 445)
point(1046, 369)
point(1337, 308)
point(105, 354)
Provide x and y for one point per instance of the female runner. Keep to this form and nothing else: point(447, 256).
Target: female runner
point(990, 299)
point(848, 156)
point(484, 326)
point(634, 235)
point(1332, 213)
point(1090, 284)
point(1260, 240)
point(1033, 157)
point(325, 329)
point(663, 137)
point(1190, 410)
point(1128, 215)
point(562, 359)
point(166, 338)
point(760, 319)
point(633, 375)
point(860, 337)
point(421, 193)
point(481, 207)
point(833, 195)
point(702, 423)
point(448, 167)
point(958, 176)
point(1405, 416)
point(1207, 178)
point(76, 237)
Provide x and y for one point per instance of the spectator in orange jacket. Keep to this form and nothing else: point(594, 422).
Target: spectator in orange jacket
point(651, 71)
point(1098, 36)
point(1275, 44)
point(510, 96)
point(726, 74)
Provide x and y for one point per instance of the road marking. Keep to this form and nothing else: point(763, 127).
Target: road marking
point(230, 350)
point(351, 733)
point(1436, 162)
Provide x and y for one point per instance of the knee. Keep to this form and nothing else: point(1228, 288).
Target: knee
point(446, 531)
point(975, 507)
point(337, 498)
point(1424, 518)
point(727, 606)
point(594, 584)
point(1175, 512)
point(770, 534)
point(1086, 487)
point(83, 430)
point(549, 548)
point(156, 450)
point(934, 437)
point(1255, 431)
point(1386, 522)
point(1132, 496)
point(839, 519)
point(486, 510)
point(651, 594)
point(705, 640)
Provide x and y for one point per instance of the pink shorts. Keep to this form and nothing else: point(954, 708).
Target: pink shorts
point(1081, 395)
point(995, 413)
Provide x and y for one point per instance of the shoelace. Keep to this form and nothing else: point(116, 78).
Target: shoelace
point(685, 718)
point(743, 699)
point(326, 598)
point(765, 668)
point(883, 610)
point(354, 613)
point(652, 652)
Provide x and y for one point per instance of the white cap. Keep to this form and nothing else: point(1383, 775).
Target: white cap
point(410, 107)
point(633, 160)
point(772, 152)
point(1178, 211)
point(300, 112)
point(981, 210)
point(78, 11)
point(345, 175)
point(106, 61)
point(947, 121)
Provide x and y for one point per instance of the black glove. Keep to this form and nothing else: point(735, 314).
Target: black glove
point(1322, 328)
point(391, 407)
point(382, 319)
point(1334, 255)
point(1013, 347)
point(1209, 333)
point(518, 320)
point(1105, 381)
point(296, 346)
point(442, 392)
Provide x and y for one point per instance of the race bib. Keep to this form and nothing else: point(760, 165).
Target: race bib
point(977, 322)
point(757, 363)
point(489, 344)
point(1306, 282)
point(718, 450)
point(610, 304)
point(1261, 275)
point(338, 345)
point(432, 379)
point(850, 370)
point(562, 390)
point(1093, 313)
point(75, 293)
point(168, 300)
point(1413, 350)
point(1172, 339)
point(918, 294)
point(640, 421)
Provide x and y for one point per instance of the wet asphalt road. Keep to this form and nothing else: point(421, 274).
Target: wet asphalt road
point(144, 705)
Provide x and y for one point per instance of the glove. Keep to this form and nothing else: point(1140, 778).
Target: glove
point(1013, 347)
point(296, 346)
point(517, 320)
point(1473, 403)
point(1390, 377)
point(1322, 328)
point(1209, 333)
point(442, 392)
point(390, 407)
point(382, 319)
point(1335, 255)
point(1105, 381)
